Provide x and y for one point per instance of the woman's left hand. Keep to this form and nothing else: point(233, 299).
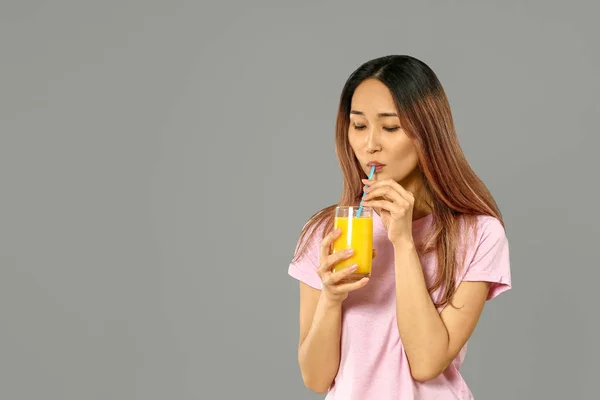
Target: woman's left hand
point(396, 207)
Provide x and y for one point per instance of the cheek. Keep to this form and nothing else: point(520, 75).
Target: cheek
point(407, 152)
point(353, 140)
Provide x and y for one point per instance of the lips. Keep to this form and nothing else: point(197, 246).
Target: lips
point(378, 166)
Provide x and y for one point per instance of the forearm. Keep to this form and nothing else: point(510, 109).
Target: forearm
point(319, 353)
point(424, 335)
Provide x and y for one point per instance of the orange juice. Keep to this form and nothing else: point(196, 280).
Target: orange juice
point(357, 233)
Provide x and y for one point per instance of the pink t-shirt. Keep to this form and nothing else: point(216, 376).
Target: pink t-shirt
point(373, 364)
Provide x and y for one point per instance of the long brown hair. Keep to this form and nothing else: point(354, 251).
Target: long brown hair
point(456, 192)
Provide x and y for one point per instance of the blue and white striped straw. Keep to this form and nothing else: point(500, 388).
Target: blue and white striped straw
point(361, 206)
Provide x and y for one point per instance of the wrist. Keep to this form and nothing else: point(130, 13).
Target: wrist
point(405, 253)
point(330, 302)
point(405, 243)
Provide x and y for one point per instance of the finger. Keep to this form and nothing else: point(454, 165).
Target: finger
point(336, 276)
point(326, 244)
point(384, 205)
point(334, 258)
point(385, 192)
point(348, 287)
point(389, 196)
point(372, 185)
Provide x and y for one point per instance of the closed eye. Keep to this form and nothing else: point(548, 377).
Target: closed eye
point(389, 129)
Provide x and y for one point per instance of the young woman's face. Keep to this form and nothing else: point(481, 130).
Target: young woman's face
point(376, 136)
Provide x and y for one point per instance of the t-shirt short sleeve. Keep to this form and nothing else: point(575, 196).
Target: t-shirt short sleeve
point(305, 268)
point(490, 261)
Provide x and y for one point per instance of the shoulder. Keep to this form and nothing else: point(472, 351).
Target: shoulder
point(311, 234)
point(305, 261)
point(490, 229)
point(318, 222)
point(488, 259)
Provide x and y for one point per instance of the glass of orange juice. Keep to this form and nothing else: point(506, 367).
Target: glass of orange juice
point(357, 233)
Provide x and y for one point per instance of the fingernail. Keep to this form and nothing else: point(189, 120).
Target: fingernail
point(354, 267)
point(349, 251)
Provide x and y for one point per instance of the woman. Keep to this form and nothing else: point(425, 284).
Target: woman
point(439, 239)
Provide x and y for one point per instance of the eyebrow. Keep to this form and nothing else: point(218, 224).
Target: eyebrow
point(380, 114)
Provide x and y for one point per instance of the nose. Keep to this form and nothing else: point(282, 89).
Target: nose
point(373, 141)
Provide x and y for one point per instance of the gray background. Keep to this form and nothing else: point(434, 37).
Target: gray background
point(159, 158)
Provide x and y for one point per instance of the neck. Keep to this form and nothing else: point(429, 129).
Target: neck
point(414, 184)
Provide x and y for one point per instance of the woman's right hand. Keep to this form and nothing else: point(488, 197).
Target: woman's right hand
point(333, 289)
